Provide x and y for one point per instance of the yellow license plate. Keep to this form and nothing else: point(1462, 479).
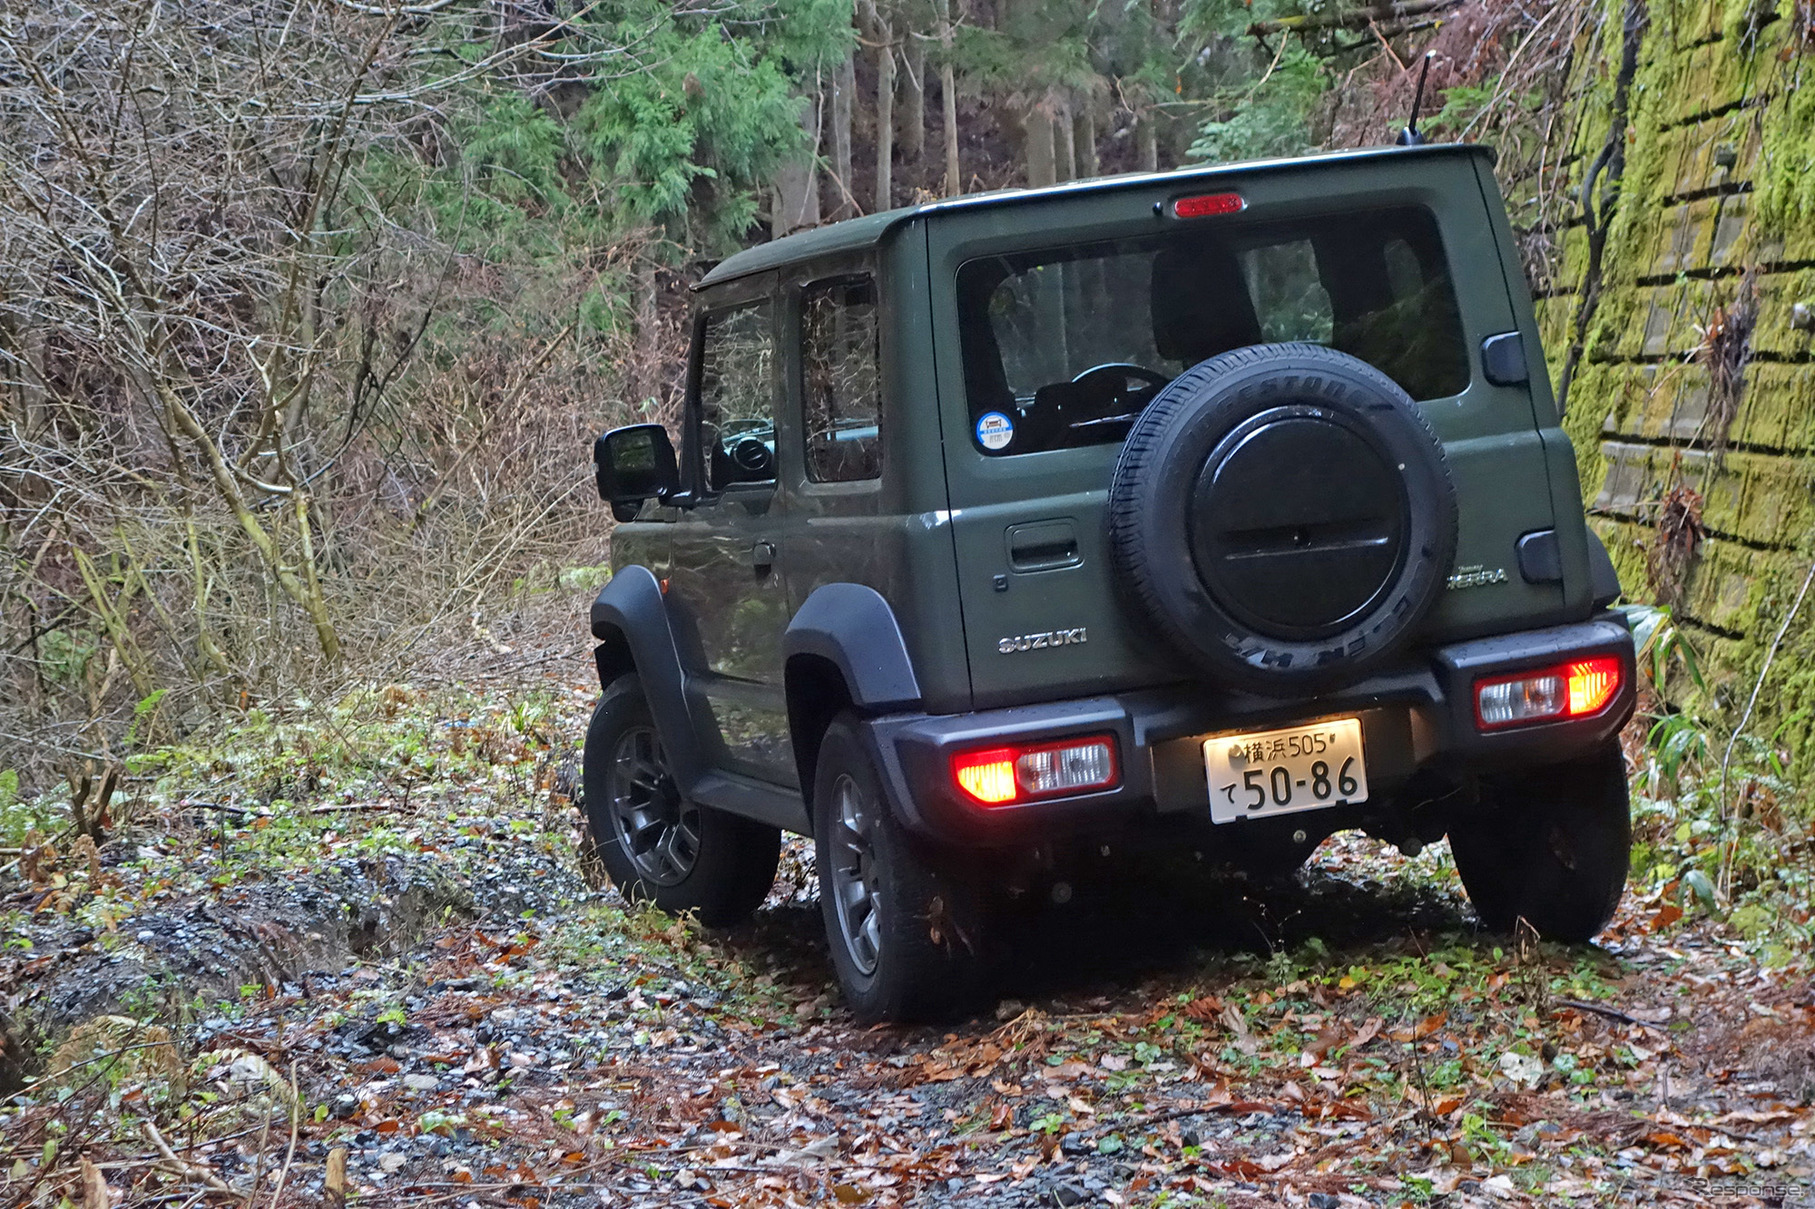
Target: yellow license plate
point(1272, 772)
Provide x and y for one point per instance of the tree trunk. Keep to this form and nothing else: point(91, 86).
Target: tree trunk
point(1147, 139)
point(1084, 136)
point(1040, 167)
point(1065, 160)
point(844, 88)
point(948, 99)
point(913, 99)
point(885, 108)
point(797, 181)
point(647, 346)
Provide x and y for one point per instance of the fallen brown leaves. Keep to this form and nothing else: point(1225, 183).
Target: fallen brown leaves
point(579, 1054)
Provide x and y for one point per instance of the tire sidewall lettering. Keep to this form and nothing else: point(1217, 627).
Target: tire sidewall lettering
point(1174, 440)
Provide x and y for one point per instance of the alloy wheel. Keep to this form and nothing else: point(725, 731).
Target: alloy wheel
point(854, 886)
point(657, 828)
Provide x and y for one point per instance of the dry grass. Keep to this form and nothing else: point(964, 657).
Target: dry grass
point(264, 426)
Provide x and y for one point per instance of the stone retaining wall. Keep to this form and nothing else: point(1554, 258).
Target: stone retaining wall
point(1691, 392)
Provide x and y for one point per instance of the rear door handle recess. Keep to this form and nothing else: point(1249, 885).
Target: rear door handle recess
point(1043, 546)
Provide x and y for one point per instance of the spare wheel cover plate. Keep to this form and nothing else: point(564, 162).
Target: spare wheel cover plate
point(1298, 521)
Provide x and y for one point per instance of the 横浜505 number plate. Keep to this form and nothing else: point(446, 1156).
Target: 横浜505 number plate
point(1280, 771)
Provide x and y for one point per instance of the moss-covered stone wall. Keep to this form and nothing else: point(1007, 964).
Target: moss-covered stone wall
point(1690, 385)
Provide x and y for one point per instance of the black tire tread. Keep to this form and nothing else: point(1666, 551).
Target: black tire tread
point(1136, 564)
point(919, 977)
point(1507, 852)
point(738, 856)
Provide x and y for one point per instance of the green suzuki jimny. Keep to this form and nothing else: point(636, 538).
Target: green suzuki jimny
point(1224, 508)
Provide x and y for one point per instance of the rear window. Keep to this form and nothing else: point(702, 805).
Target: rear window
point(1139, 312)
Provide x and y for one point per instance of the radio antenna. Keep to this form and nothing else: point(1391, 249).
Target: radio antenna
point(1410, 136)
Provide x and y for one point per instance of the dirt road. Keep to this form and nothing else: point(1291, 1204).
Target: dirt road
point(351, 955)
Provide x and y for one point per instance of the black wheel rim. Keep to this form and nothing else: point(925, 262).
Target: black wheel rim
point(656, 828)
point(853, 886)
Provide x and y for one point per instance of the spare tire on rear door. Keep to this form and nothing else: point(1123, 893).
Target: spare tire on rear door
point(1284, 515)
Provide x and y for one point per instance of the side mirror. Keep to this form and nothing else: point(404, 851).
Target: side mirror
point(634, 464)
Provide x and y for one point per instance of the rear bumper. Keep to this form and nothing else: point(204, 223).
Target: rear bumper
point(1416, 719)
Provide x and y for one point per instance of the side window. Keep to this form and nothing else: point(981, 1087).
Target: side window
point(841, 388)
point(737, 396)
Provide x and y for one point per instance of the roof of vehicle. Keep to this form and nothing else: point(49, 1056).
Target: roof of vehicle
point(855, 234)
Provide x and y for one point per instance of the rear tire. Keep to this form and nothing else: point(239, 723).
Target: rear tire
point(1550, 847)
point(906, 922)
point(657, 846)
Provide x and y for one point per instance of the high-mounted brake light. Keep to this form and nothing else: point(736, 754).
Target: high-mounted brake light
point(999, 776)
point(1571, 690)
point(1209, 205)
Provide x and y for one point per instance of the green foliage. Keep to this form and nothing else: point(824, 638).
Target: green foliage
point(1661, 645)
point(21, 816)
point(678, 134)
point(1025, 57)
point(63, 654)
point(1270, 117)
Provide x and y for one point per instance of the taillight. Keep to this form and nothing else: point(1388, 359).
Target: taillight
point(988, 776)
point(1592, 684)
point(1571, 690)
point(1209, 205)
point(998, 776)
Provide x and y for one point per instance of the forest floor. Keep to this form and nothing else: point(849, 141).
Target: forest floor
point(351, 955)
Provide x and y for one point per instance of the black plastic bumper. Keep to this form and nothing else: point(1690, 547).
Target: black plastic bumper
point(1418, 718)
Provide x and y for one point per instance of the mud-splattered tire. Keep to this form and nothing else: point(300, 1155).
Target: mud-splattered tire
point(657, 846)
point(1549, 846)
point(906, 923)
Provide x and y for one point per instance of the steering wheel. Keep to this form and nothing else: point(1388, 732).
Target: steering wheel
point(751, 455)
point(1126, 371)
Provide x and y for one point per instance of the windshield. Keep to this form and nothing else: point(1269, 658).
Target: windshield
point(1064, 347)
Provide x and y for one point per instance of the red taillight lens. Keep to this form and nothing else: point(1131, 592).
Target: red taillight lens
point(1209, 205)
point(1573, 690)
point(1592, 684)
point(997, 776)
point(987, 776)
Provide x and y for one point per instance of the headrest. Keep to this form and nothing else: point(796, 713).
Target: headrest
point(1200, 303)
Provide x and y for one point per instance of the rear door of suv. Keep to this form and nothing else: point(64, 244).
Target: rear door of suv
point(1029, 291)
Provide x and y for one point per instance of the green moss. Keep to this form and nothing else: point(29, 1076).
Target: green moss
point(1638, 384)
point(1743, 23)
point(1626, 544)
point(1783, 170)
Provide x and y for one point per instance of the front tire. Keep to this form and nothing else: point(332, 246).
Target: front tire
point(657, 846)
point(906, 923)
point(1550, 847)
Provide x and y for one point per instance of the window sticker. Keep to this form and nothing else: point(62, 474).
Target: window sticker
point(994, 431)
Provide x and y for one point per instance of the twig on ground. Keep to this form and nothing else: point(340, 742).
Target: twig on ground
point(1611, 1013)
point(283, 1175)
point(194, 1171)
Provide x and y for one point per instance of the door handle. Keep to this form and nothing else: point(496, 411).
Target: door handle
point(1043, 546)
point(760, 557)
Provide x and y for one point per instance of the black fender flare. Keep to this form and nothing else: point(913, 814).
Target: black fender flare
point(844, 649)
point(630, 620)
point(852, 627)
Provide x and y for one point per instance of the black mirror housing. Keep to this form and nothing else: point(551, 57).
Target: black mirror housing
point(633, 464)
